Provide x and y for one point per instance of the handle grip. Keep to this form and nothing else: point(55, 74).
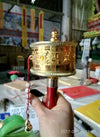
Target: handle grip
point(51, 97)
point(52, 85)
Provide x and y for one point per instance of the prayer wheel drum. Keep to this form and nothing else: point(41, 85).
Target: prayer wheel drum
point(53, 58)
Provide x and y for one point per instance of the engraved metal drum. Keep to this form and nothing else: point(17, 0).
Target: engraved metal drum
point(53, 58)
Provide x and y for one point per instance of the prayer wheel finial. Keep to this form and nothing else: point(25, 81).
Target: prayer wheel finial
point(54, 35)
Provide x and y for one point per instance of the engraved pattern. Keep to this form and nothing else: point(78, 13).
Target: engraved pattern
point(53, 58)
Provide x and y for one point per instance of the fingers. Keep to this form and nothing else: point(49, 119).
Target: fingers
point(62, 103)
point(44, 99)
point(61, 99)
point(37, 105)
point(40, 109)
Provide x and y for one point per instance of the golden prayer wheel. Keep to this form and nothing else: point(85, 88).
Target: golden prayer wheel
point(52, 59)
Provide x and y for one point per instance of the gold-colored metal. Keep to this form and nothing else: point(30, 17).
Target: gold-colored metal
point(28, 126)
point(54, 35)
point(53, 58)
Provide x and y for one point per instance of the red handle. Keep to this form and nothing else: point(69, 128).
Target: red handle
point(52, 84)
point(51, 97)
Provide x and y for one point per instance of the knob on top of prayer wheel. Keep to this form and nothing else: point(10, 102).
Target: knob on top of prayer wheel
point(54, 35)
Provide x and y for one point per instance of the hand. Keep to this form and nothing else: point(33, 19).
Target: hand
point(55, 122)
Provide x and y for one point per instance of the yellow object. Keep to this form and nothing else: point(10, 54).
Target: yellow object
point(91, 110)
point(20, 60)
point(93, 7)
point(19, 56)
point(91, 34)
point(41, 17)
point(42, 58)
point(24, 26)
point(1, 16)
point(32, 20)
point(54, 35)
point(90, 134)
point(94, 17)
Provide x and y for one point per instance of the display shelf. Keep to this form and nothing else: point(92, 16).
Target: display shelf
point(93, 26)
point(91, 35)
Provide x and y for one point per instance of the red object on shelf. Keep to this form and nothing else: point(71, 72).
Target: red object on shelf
point(93, 80)
point(16, 73)
point(79, 91)
point(13, 72)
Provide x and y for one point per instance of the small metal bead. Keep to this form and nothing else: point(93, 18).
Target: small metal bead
point(26, 90)
point(28, 111)
point(27, 84)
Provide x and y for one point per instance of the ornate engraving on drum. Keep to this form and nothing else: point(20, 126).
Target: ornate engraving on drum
point(53, 57)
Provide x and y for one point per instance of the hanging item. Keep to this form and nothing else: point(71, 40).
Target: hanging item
point(41, 17)
point(28, 126)
point(1, 16)
point(13, 126)
point(32, 19)
point(24, 26)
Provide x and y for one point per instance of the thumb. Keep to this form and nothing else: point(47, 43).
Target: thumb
point(37, 105)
